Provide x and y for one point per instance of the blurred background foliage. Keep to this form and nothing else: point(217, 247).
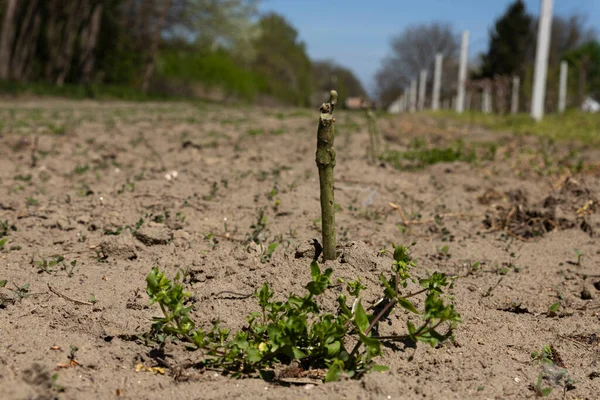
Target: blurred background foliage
point(214, 49)
point(226, 50)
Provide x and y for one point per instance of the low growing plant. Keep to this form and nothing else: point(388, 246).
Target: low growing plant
point(257, 235)
point(552, 370)
point(419, 156)
point(47, 266)
point(373, 148)
point(267, 252)
point(6, 227)
point(297, 329)
point(579, 255)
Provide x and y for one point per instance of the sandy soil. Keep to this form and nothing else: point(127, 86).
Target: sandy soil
point(77, 178)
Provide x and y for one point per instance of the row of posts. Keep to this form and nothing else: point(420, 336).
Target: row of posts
point(415, 98)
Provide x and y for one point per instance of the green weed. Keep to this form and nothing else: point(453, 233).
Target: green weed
point(32, 201)
point(419, 157)
point(22, 292)
point(214, 189)
point(255, 131)
point(297, 329)
point(257, 234)
point(574, 125)
point(81, 169)
point(276, 132)
point(552, 369)
point(267, 252)
point(127, 187)
point(577, 253)
point(23, 178)
point(54, 264)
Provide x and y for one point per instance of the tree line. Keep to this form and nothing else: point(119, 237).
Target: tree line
point(222, 48)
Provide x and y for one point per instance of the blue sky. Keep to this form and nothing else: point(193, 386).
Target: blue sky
point(356, 33)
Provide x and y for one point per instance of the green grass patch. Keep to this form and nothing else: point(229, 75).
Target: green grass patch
point(255, 131)
point(419, 156)
point(573, 125)
point(278, 131)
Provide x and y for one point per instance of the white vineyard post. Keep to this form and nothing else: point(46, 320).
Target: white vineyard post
point(437, 82)
point(514, 100)
point(422, 87)
point(562, 89)
point(413, 95)
point(462, 72)
point(541, 60)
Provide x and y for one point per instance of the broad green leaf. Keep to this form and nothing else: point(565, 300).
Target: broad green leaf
point(425, 338)
point(272, 248)
point(370, 342)
point(554, 307)
point(432, 337)
point(411, 328)
point(298, 354)
point(3, 282)
point(315, 271)
point(388, 291)
point(253, 355)
point(264, 295)
point(360, 318)
point(186, 310)
point(343, 307)
point(333, 348)
point(296, 301)
point(313, 288)
point(198, 337)
point(152, 281)
point(400, 253)
point(275, 336)
point(407, 305)
point(336, 369)
point(241, 343)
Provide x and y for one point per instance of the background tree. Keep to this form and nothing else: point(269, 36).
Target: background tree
point(413, 50)
point(328, 74)
point(6, 36)
point(568, 33)
point(108, 41)
point(510, 43)
point(584, 63)
point(512, 46)
point(282, 58)
point(182, 47)
point(208, 23)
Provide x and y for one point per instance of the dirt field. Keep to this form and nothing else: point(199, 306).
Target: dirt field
point(117, 188)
